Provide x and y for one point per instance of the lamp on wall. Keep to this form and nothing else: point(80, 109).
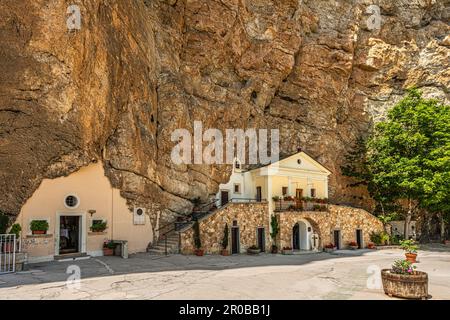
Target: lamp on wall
point(92, 212)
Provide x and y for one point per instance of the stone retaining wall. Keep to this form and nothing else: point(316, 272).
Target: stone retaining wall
point(249, 216)
point(345, 219)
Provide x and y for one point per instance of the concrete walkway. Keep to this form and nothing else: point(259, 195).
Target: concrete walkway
point(343, 275)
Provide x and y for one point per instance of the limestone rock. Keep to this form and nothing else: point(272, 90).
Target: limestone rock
point(114, 90)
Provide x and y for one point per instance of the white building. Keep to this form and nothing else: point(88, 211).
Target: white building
point(298, 176)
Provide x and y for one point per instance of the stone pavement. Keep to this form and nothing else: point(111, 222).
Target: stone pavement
point(343, 275)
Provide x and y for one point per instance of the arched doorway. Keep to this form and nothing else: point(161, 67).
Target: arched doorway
point(301, 234)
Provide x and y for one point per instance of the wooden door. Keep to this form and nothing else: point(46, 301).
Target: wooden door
point(261, 240)
point(234, 240)
point(224, 197)
point(359, 238)
point(258, 194)
point(337, 238)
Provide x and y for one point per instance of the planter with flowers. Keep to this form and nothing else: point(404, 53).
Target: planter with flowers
point(8, 244)
point(287, 251)
point(353, 245)
point(329, 247)
point(108, 248)
point(371, 245)
point(410, 250)
point(403, 281)
point(39, 226)
point(253, 250)
point(99, 227)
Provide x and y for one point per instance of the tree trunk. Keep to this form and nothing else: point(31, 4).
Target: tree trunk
point(408, 220)
point(441, 218)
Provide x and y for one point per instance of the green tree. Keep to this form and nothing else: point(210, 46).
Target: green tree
point(408, 155)
point(357, 167)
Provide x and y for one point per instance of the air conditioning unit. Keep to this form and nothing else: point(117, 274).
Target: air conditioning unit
point(139, 216)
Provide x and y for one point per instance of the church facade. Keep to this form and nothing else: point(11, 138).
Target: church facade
point(294, 191)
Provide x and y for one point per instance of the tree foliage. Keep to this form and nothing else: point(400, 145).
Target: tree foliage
point(407, 157)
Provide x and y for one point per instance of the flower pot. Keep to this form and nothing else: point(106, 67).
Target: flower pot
point(411, 257)
point(410, 286)
point(353, 247)
point(108, 251)
point(253, 251)
point(199, 252)
point(224, 252)
point(39, 232)
point(274, 249)
point(329, 250)
point(8, 247)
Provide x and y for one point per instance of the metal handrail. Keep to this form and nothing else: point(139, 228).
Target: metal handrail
point(190, 217)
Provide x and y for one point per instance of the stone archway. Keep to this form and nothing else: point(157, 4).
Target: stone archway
point(314, 228)
point(301, 234)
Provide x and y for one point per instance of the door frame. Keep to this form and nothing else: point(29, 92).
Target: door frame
point(238, 240)
point(258, 196)
point(338, 245)
point(82, 232)
point(228, 196)
point(361, 244)
point(263, 249)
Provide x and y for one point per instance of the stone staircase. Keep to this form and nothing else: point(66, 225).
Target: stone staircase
point(172, 245)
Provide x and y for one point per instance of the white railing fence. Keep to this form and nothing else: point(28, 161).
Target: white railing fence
point(8, 247)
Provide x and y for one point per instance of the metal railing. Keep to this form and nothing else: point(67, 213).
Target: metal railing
point(205, 209)
point(8, 247)
point(300, 205)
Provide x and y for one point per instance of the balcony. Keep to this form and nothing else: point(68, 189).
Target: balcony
point(294, 204)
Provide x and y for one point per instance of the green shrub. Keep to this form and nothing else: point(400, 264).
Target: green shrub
point(275, 227)
point(197, 240)
point(98, 227)
point(15, 229)
point(409, 246)
point(402, 267)
point(39, 225)
point(379, 238)
point(225, 237)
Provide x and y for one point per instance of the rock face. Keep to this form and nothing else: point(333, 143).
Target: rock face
point(115, 89)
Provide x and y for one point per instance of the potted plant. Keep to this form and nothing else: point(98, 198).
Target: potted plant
point(8, 246)
point(98, 227)
point(371, 245)
point(287, 251)
point(274, 233)
point(108, 248)
point(253, 250)
point(353, 245)
point(329, 247)
point(410, 250)
point(276, 198)
point(39, 226)
point(197, 240)
point(403, 281)
point(224, 251)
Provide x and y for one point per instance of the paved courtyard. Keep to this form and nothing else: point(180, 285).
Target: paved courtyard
point(308, 276)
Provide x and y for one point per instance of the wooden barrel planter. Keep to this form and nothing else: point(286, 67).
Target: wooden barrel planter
point(413, 286)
